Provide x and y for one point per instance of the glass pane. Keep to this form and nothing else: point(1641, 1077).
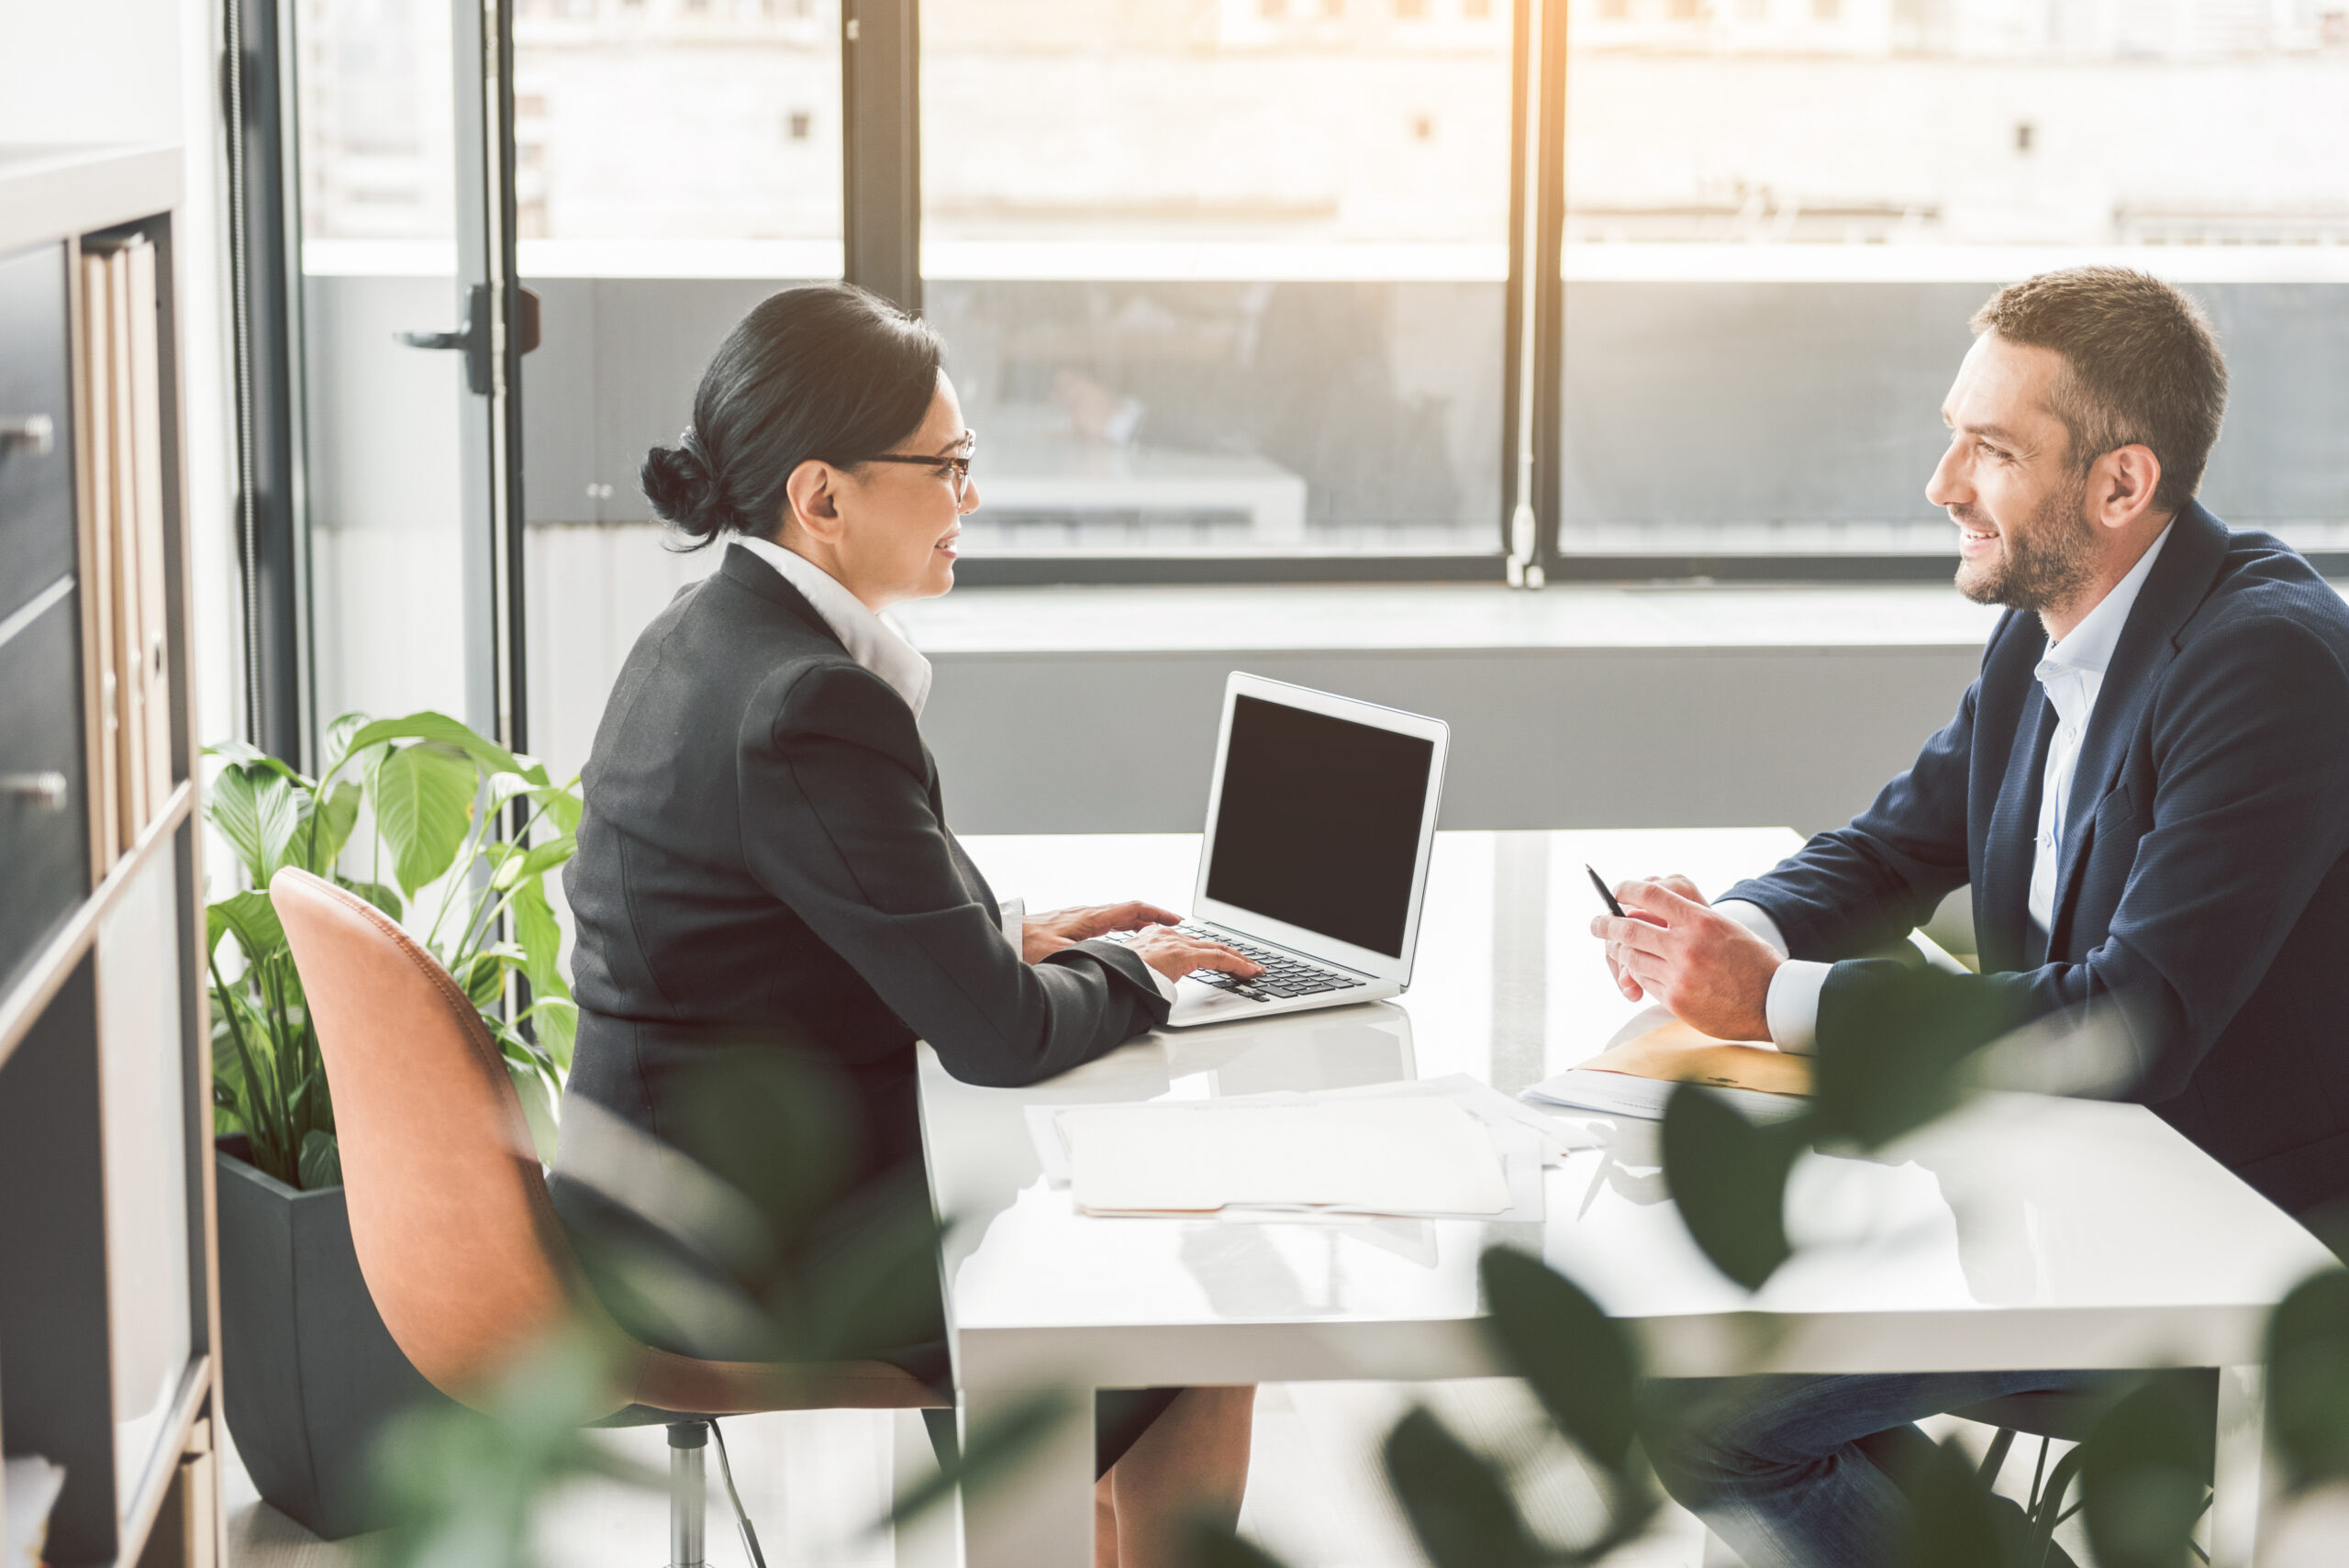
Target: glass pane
point(1780, 214)
point(374, 83)
point(1222, 275)
point(677, 161)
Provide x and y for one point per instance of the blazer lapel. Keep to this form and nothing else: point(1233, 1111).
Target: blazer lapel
point(2013, 831)
point(2174, 590)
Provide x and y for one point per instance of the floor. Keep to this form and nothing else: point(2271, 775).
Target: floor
point(814, 1482)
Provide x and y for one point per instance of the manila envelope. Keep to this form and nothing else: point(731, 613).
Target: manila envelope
point(1676, 1053)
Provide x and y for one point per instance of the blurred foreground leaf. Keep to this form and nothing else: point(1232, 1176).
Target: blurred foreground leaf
point(1212, 1546)
point(994, 1453)
point(1729, 1177)
point(2145, 1472)
point(1894, 1059)
point(464, 1485)
point(1579, 1361)
point(1952, 1514)
point(1459, 1505)
point(2307, 1380)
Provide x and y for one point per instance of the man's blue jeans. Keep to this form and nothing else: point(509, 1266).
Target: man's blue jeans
point(1774, 1466)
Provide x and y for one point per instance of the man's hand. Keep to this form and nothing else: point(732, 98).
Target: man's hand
point(1044, 935)
point(1710, 971)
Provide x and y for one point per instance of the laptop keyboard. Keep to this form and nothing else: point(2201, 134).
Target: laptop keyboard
point(1285, 975)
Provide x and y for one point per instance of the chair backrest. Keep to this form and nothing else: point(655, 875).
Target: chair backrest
point(457, 1238)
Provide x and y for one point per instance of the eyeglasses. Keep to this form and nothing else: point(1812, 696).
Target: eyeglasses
point(955, 468)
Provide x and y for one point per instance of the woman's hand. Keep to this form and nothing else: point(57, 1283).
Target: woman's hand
point(1044, 935)
point(1175, 954)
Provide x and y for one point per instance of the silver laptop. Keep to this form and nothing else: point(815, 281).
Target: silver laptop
point(1320, 817)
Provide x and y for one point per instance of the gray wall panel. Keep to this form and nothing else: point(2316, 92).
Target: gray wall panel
point(1567, 739)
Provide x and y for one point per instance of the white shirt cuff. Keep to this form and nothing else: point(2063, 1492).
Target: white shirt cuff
point(1754, 918)
point(1792, 1005)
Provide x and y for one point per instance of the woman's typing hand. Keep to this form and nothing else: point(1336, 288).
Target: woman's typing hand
point(1044, 935)
point(1175, 954)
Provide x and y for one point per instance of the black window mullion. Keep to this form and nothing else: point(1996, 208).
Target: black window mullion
point(1548, 283)
point(881, 147)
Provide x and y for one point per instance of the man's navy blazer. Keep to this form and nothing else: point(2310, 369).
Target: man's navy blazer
point(2203, 888)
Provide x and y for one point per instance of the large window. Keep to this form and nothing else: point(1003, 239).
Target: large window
point(1780, 213)
point(1223, 276)
point(1234, 286)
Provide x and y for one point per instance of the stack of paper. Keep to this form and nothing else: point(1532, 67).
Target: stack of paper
point(1636, 1077)
point(1448, 1149)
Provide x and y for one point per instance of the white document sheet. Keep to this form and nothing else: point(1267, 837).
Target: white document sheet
point(1621, 1093)
point(1389, 1155)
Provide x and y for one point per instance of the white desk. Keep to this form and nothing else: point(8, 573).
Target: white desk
point(2023, 1233)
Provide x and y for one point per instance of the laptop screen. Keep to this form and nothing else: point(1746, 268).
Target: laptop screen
point(1319, 822)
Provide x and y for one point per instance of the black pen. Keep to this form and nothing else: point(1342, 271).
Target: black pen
point(1596, 880)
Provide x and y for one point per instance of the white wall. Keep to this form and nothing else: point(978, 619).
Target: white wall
point(109, 71)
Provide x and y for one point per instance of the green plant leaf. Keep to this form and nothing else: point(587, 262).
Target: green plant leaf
point(321, 1161)
point(539, 935)
point(329, 828)
point(250, 918)
point(556, 1021)
point(1894, 1060)
point(2144, 1474)
point(485, 974)
point(233, 809)
point(538, 1106)
point(534, 862)
point(2307, 1380)
point(1460, 1507)
point(1729, 1178)
point(423, 796)
point(376, 892)
point(1952, 1514)
point(1579, 1361)
point(439, 728)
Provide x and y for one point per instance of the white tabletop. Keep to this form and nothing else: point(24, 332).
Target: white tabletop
point(2023, 1232)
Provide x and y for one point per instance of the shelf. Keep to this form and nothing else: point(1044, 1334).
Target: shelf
point(49, 193)
point(139, 1519)
point(55, 961)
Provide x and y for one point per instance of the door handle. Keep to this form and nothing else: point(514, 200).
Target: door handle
point(472, 338)
point(37, 433)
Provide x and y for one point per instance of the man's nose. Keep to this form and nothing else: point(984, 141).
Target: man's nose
point(1947, 486)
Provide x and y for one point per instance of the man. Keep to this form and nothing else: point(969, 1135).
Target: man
point(2148, 787)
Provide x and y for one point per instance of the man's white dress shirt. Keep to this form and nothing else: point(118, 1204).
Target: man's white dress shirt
point(880, 647)
point(2072, 674)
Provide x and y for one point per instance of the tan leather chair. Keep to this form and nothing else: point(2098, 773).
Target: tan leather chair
point(456, 1235)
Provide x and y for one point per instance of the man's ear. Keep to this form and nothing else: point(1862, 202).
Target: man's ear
point(2122, 484)
point(810, 501)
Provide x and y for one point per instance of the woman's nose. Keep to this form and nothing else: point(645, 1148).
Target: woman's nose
point(970, 502)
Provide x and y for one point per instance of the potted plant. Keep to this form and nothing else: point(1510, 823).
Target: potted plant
point(310, 1374)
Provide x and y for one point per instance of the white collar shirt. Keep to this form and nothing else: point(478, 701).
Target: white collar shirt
point(869, 640)
point(2072, 674)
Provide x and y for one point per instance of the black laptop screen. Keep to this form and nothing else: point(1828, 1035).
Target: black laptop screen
point(1319, 824)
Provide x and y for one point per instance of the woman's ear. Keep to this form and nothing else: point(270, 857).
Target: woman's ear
point(811, 502)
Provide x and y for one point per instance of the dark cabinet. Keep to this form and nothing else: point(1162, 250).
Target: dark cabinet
point(36, 427)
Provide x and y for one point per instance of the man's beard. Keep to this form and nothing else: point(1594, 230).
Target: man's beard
point(2045, 564)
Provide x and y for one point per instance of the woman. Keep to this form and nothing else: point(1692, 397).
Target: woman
point(764, 872)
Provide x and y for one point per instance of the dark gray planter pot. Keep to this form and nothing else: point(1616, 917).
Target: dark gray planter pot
point(308, 1371)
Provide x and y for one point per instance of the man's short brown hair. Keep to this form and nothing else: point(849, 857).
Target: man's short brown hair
point(2143, 366)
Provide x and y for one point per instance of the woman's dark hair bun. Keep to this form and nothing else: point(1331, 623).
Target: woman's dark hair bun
point(827, 373)
point(679, 483)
